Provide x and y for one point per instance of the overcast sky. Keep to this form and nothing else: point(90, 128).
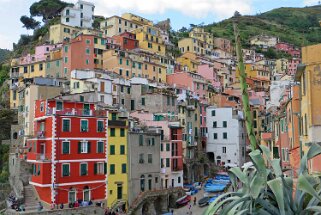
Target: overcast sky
point(181, 12)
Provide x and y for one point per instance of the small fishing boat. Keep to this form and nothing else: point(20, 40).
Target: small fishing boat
point(183, 200)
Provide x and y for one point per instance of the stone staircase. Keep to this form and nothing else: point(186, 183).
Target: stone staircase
point(31, 199)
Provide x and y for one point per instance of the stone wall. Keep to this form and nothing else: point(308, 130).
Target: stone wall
point(78, 211)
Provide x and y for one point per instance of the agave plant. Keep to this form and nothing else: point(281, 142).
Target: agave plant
point(265, 189)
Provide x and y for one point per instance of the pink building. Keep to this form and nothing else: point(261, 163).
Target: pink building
point(210, 73)
point(282, 46)
point(292, 65)
point(41, 53)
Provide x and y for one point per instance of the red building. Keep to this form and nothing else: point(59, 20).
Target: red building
point(68, 151)
point(126, 40)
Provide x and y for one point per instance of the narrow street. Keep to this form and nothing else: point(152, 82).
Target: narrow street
point(196, 210)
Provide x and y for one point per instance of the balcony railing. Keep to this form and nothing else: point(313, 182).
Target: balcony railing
point(41, 134)
point(38, 156)
point(177, 168)
point(76, 112)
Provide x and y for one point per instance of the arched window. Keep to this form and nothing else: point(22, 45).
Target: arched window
point(86, 194)
point(72, 195)
point(142, 183)
point(218, 160)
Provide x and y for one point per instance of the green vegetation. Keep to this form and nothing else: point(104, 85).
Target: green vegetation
point(299, 26)
point(265, 190)
point(47, 9)
point(4, 55)
point(4, 166)
point(29, 22)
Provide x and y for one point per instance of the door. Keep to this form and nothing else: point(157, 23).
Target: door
point(132, 104)
point(150, 184)
point(42, 151)
point(119, 192)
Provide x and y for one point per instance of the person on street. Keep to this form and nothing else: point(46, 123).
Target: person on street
point(195, 200)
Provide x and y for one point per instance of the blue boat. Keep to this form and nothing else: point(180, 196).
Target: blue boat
point(212, 199)
point(214, 187)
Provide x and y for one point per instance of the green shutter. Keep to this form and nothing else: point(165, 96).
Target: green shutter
point(112, 149)
point(79, 147)
point(105, 168)
point(112, 169)
point(95, 168)
point(65, 148)
point(122, 149)
point(88, 147)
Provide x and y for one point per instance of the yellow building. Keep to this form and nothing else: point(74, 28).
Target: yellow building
point(188, 62)
point(281, 65)
point(254, 71)
point(309, 74)
point(59, 32)
point(137, 19)
point(117, 25)
point(117, 178)
point(195, 46)
point(200, 34)
point(132, 64)
point(150, 39)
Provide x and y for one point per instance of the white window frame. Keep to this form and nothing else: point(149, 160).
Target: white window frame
point(62, 147)
point(80, 168)
point(62, 170)
point(87, 125)
point(74, 191)
point(84, 145)
point(103, 168)
point(62, 127)
point(42, 106)
point(224, 151)
point(83, 194)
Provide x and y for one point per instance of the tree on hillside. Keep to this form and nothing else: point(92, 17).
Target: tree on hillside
point(48, 9)
point(29, 22)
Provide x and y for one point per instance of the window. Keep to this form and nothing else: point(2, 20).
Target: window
point(224, 124)
point(99, 168)
point(87, 41)
point(42, 106)
point(87, 51)
point(95, 40)
point(128, 90)
point(195, 117)
point(66, 59)
point(150, 45)
point(173, 101)
point(112, 132)
point(83, 169)
point(100, 126)
point(141, 158)
point(120, 61)
point(168, 147)
point(100, 147)
point(65, 169)
point(57, 63)
point(66, 125)
point(141, 140)
point(122, 132)
point(214, 124)
point(65, 147)
point(224, 135)
point(67, 19)
point(224, 150)
point(59, 105)
point(161, 146)
point(66, 49)
point(167, 162)
point(213, 112)
point(150, 158)
point(40, 67)
point(143, 101)
point(84, 125)
point(83, 147)
point(87, 62)
point(112, 149)
point(122, 149)
point(215, 136)
point(112, 169)
point(123, 168)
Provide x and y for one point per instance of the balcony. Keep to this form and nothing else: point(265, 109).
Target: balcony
point(86, 18)
point(71, 15)
point(76, 112)
point(41, 134)
point(119, 123)
point(177, 168)
point(38, 157)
